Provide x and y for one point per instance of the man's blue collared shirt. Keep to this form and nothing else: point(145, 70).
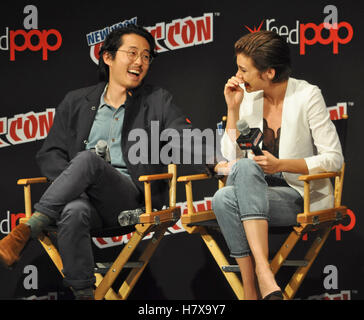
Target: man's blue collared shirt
point(108, 125)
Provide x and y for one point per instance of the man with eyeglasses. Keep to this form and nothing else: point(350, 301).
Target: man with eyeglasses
point(87, 192)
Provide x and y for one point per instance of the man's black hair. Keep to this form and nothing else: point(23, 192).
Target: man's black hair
point(113, 42)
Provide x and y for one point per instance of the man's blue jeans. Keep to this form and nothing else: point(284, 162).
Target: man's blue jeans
point(247, 195)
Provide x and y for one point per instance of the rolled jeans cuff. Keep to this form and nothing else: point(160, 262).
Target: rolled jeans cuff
point(46, 211)
point(254, 216)
point(240, 255)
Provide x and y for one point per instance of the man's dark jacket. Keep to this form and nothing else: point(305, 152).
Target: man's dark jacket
point(74, 118)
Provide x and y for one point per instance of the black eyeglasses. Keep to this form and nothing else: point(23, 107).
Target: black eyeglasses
point(133, 55)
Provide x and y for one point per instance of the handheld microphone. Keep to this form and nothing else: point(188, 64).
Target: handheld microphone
point(249, 137)
point(102, 150)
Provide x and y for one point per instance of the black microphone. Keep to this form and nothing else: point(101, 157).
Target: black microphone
point(249, 137)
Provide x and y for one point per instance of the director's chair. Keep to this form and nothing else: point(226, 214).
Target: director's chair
point(150, 221)
point(318, 223)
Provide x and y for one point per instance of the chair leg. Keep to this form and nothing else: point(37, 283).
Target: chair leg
point(52, 251)
point(310, 257)
point(145, 257)
point(120, 261)
point(110, 294)
point(103, 284)
point(285, 250)
point(232, 278)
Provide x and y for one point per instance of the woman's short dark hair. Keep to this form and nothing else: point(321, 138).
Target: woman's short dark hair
point(267, 49)
point(113, 42)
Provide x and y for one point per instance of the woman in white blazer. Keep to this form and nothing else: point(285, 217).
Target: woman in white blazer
point(299, 138)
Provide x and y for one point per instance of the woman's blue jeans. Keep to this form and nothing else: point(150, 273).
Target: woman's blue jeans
point(248, 196)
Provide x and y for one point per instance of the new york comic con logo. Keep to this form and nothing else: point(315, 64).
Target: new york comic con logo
point(30, 38)
point(329, 32)
point(178, 34)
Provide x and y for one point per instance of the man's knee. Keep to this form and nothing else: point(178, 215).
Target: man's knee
point(86, 157)
point(88, 163)
point(77, 212)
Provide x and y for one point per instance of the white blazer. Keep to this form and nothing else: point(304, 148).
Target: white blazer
point(306, 132)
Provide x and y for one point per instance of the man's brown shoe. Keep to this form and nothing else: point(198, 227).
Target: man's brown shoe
point(13, 244)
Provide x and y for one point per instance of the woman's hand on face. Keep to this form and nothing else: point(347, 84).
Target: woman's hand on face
point(268, 162)
point(223, 167)
point(233, 93)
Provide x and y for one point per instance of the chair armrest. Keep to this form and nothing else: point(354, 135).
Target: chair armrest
point(153, 177)
point(27, 181)
point(193, 177)
point(318, 176)
point(27, 194)
point(188, 186)
point(159, 176)
point(311, 177)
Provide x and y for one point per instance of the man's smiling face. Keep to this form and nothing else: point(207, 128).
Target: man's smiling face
point(128, 68)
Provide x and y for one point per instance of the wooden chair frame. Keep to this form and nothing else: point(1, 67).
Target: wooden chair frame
point(308, 221)
point(150, 221)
